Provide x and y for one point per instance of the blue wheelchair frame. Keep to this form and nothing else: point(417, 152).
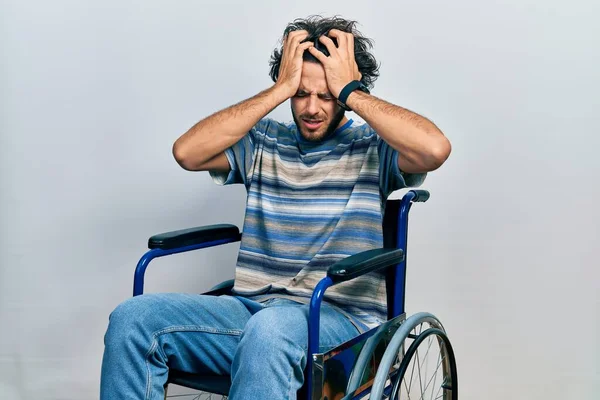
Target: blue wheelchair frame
point(392, 256)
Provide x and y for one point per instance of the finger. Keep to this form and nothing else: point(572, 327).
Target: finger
point(303, 47)
point(329, 44)
point(299, 35)
point(339, 36)
point(345, 40)
point(351, 45)
point(298, 31)
point(336, 33)
point(318, 55)
point(293, 39)
point(297, 39)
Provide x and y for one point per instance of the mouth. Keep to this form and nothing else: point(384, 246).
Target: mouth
point(312, 124)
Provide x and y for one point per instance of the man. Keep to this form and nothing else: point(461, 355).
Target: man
point(316, 189)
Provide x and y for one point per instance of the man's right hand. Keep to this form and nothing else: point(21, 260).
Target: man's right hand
point(290, 69)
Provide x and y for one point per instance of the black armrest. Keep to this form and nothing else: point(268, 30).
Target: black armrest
point(192, 236)
point(364, 262)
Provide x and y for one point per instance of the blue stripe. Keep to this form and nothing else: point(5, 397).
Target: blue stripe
point(328, 200)
point(283, 187)
point(298, 238)
point(367, 215)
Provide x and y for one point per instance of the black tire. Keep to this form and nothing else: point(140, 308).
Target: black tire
point(450, 387)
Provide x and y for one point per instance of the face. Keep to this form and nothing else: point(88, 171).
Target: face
point(315, 110)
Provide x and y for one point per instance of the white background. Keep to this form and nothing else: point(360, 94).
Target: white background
point(94, 93)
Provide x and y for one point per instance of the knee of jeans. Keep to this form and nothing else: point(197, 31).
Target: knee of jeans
point(131, 318)
point(275, 329)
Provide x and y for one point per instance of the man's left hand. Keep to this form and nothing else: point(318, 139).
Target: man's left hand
point(340, 67)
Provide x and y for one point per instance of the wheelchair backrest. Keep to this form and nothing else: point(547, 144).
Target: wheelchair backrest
point(395, 229)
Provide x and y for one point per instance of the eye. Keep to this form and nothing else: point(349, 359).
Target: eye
point(301, 94)
point(326, 97)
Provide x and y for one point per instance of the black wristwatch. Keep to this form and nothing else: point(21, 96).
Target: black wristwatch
point(349, 88)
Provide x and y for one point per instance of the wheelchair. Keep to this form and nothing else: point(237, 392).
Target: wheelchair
point(403, 358)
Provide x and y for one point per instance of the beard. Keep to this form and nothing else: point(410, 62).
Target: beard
point(318, 135)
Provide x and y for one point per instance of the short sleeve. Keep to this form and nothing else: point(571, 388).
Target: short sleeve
point(241, 157)
point(391, 178)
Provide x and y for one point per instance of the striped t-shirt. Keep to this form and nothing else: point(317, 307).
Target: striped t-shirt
point(309, 205)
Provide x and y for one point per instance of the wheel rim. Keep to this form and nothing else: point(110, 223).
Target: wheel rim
point(427, 370)
point(401, 351)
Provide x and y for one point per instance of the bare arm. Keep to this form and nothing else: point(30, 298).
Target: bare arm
point(422, 145)
point(202, 147)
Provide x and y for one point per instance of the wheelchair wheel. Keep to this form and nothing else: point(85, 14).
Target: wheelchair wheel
point(418, 363)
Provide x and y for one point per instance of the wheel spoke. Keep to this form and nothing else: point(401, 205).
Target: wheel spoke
point(439, 397)
point(407, 389)
point(412, 373)
point(426, 360)
point(419, 368)
point(435, 375)
point(418, 329)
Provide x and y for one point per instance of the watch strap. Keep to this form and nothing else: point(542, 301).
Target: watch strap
point(349, 88)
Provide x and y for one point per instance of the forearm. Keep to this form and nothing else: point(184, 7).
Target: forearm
point(214, 134)
point(422, 145)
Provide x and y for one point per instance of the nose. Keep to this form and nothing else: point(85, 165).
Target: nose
point(312, 107)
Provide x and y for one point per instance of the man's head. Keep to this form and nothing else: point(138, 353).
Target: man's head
point(314, 109)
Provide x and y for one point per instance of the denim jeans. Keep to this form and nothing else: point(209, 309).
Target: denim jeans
point(262, 346)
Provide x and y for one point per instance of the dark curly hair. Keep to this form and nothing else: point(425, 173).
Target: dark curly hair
point(317, 26)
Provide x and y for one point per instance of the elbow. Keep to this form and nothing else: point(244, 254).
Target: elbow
point(182, 156)
point(439, 153)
